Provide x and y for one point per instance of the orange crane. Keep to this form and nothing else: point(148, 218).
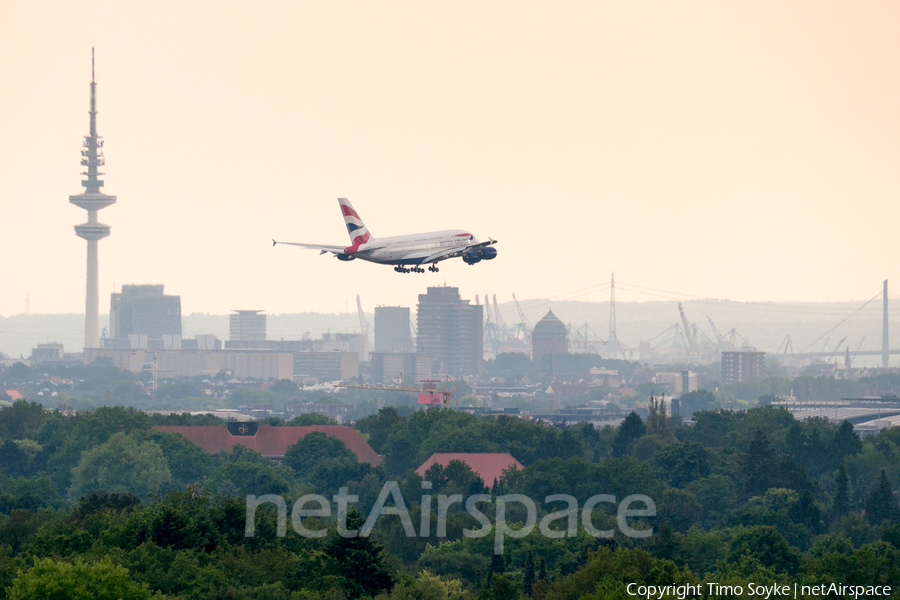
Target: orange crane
point(428, 393)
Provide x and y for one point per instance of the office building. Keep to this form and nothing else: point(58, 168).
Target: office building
point(392, 331)
point(247, 325)
point(450, 332)
point(144, 310)
point(738, 366)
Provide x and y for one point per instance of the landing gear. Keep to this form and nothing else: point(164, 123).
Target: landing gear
point(433, 268)
point(402, 269)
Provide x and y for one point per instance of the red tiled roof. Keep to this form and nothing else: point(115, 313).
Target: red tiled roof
point(488, 466)
point(15, 394)
point(272, 441)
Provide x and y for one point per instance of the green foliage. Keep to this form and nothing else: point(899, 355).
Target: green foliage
point(324, 462)
point(683, 462)
point(49, 580)
point(721, 488)
point(631, 429)
point(360, 561)
point(765, 544)
point(427, 587)
point(700, 400)
point(456, 478)
point(243, 478)
point(880, 503)
point(121, 465)
point(305, 420)
point(21, 419)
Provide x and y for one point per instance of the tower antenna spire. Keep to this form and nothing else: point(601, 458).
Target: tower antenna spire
point(92, 200)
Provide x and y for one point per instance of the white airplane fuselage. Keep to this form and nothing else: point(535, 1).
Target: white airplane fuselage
point(396, 250)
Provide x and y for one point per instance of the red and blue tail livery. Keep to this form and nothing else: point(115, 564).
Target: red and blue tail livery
point(407, 253)
point(359, 235)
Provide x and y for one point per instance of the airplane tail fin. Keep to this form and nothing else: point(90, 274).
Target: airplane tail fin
point(359, 235)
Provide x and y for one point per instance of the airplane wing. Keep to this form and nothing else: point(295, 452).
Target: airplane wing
point(321, 249)
point(454, 252)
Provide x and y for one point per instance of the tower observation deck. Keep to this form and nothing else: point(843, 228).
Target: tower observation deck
point(92, 200)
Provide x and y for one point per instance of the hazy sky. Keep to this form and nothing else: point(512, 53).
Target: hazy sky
point(741, 150)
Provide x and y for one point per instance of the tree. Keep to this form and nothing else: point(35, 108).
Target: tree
point(120, 465)
point(529, 578)
point(360, 561)
point(307, 419)
point(498, 567)
point(697, 401)
point(658, 422)
point(841, 493)
point(765, 544)
point(21, 419)
point(880, 505)
point(380, 426)
point(49, 580)
point(13, 460)
point(284, 386)
point(630, 430)
point(312, 449)
point(682, 462)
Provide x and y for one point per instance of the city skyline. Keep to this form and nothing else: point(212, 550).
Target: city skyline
point(740, 152)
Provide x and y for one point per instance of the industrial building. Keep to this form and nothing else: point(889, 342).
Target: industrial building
point(550, 336)
point(449, 333)
point(144, 310)
point(247, 325)
point(738, 366)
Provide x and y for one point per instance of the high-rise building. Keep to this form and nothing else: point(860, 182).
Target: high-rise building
point(550, 336)
point(247, 325)
point(143, 310)
point(738, 366)
point(92, 200)
point(392, 329)
point(450, 332)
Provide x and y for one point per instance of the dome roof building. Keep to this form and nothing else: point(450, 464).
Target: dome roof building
point(549, 336)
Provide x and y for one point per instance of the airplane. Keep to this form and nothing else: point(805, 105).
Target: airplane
point(406, 252)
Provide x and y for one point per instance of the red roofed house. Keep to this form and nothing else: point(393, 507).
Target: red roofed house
point(15, 394)
point(488, 466)
point(269, 441)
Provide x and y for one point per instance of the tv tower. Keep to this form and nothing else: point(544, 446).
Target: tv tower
point(92, 200)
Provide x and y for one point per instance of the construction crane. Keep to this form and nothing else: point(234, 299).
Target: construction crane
point(523, 325)
point(498, 319)
point(692, 344)
point(490, 328)
point(522, 318)
point(363, 326)
point(428, 393)
point(720, 339)
point(787, 343)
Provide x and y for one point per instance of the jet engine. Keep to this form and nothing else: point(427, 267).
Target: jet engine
point(345, 257)
point(488, 253)
point(471, 257)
